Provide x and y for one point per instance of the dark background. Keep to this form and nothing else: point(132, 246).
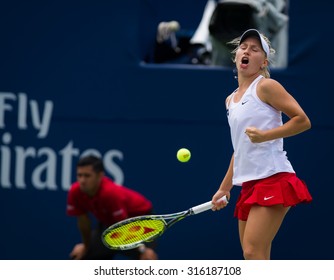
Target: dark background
point(87, 58)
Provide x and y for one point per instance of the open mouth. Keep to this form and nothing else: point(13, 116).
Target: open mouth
point(245, 60)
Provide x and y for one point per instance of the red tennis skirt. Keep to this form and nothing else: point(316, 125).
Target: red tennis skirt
point(282, 188)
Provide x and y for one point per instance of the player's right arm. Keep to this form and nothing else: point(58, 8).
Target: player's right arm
point(84, 225)
point(224, 188)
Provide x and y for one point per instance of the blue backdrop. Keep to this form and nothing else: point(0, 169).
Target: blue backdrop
point(72, 80)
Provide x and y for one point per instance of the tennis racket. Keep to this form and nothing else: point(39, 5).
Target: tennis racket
point(132, 232)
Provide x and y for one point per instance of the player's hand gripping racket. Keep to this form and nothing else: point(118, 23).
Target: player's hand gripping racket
point(131, 233)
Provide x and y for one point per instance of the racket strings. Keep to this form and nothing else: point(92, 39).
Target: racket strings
point(136, 231)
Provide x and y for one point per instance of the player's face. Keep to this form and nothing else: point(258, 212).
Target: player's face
point(89, 180)
point(250, 57)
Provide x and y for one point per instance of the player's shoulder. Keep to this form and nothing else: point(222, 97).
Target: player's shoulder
point(106, 181)
point(228, 98)
point(75, 190)
point(268, 90)
point(108, 185)
point(75, 187)
point(268, 84)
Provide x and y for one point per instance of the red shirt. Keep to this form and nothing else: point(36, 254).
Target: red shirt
point(112, 203)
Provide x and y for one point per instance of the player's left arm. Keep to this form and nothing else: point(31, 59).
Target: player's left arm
point(274, 94)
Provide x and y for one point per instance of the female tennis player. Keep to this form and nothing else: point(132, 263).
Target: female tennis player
point(269, 185)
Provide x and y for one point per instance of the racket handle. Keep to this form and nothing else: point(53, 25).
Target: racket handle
point(206, 206)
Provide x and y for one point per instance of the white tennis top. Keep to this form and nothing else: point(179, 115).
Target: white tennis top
point(255, 160)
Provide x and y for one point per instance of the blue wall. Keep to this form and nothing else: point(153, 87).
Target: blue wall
point(72, 80)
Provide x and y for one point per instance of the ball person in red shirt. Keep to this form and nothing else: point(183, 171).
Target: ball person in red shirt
point(96, 195)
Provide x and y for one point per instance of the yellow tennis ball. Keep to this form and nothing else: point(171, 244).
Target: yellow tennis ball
point(183, 155)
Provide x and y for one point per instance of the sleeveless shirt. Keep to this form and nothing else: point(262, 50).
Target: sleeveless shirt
point(255, 160)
